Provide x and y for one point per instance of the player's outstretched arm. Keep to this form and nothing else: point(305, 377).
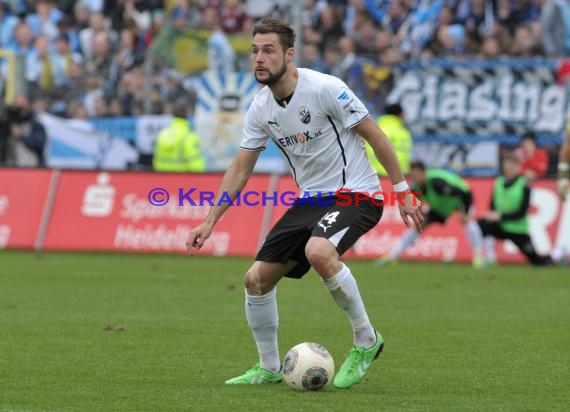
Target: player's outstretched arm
point(385, 153)
point(233, 181)
point(564, 167)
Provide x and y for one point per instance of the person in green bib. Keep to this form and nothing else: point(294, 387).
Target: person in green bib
point(442, 194)
point(508, 215)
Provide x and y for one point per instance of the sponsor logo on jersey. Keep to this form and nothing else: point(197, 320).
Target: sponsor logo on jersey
point(343, 96)
point(304, 114)
point(302, 137)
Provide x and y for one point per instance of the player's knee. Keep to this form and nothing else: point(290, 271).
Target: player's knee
point(252, 282)
point(320, 253)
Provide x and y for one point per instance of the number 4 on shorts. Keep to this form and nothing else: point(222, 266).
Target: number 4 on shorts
point(330, 218)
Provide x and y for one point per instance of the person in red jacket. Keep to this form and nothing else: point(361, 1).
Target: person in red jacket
point(534, 161)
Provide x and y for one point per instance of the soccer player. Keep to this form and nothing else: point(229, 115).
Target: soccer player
point(318, 124)
point(564, 166)
point(444, 193)
point(508, 217)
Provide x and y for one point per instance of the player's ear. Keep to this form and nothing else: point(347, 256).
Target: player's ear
point(290, 54)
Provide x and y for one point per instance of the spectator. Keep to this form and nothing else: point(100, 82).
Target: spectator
point(221, 54)
point(397, 14)
point(81, 15)
point(330, 60)
point(40, 65)
point(44, 21)
point(491, 49)
point(63, 60)
point(364, 37)
point(126, 58)
point(555, 28)
point(534, 161)
point(310, 57)
point(348, 56)
point(101, 57)
point(330, 29)
point(27, 136)
point(5, 117)
point(524, 43)
point(66, 28)
point(232, 16)
point(97, 25)
point(7, 24)
point(23, 41)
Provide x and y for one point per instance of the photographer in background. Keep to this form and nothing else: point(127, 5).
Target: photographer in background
point(27, 137)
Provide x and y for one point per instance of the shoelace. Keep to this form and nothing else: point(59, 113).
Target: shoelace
point(357, 358)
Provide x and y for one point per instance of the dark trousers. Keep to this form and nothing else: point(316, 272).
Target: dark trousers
point(522, 241)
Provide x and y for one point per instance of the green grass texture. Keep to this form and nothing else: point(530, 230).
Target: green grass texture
point(119, 332)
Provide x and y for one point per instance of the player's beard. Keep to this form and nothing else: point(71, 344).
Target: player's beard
point(273, 77)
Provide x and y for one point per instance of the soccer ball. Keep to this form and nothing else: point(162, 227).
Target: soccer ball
point(308, 366)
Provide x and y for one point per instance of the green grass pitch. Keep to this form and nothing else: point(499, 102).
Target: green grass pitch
point(457, 339)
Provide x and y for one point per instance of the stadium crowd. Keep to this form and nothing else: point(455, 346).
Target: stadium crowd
point(85, 58)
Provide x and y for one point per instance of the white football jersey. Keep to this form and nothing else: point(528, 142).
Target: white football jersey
point(314, 133)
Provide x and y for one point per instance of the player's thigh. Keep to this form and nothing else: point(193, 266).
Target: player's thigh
point(262, 277)
point(492, 229)
point(342, 225)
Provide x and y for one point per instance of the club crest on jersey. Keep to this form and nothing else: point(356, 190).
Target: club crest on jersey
point(304, 114)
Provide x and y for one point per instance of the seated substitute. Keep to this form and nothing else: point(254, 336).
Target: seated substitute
point(442, 193)
point(508, 217)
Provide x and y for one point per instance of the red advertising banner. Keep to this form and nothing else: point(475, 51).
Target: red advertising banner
point(23, 195)
point(149, 212)
point(549, 227)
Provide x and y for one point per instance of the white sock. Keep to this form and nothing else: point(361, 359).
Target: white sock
point(490, 248)
point(557, 253)
point(475, 238)
point(344, 290)
point(407, 239)
point(262, 318)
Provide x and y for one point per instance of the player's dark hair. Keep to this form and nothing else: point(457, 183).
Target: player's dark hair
point(394, 109)
point(282, 29)
point(418, 164)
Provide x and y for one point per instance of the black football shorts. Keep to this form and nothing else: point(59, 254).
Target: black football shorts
point(341, 223)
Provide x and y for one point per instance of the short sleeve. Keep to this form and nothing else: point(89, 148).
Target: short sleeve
point(341, 103)
point(254, 136)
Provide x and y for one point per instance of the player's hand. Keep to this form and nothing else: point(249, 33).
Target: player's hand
point(411, 209)
point(198, 236)
point(562, 186)
point(492, 216)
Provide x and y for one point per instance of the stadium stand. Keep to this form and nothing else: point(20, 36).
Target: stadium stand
point(88, 58)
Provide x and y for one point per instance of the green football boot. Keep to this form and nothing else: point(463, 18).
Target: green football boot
point(357, 362)
point(385, 261)
point(256, 375)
